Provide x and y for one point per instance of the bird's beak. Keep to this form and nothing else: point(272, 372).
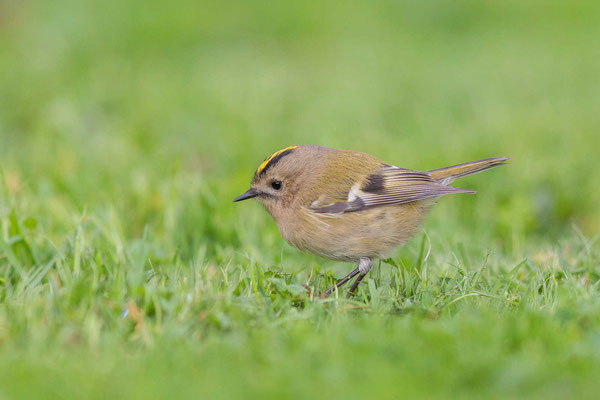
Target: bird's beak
point(250, 193)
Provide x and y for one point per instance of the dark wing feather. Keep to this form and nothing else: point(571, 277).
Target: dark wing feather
point(389, 186)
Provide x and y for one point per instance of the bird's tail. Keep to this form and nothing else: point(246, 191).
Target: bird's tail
point(449, 174)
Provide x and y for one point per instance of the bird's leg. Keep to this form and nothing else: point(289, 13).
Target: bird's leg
point(364, 266)
point(339, 283)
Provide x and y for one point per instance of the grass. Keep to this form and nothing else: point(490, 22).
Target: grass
point(126, 129)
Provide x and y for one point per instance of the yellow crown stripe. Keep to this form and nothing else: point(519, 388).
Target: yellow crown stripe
point(268, 159)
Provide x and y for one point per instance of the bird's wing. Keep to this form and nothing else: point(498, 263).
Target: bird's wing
point(387, 186)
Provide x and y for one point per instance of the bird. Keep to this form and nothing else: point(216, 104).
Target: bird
point(348, 205)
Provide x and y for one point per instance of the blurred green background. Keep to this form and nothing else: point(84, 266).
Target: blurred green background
point(127, 127)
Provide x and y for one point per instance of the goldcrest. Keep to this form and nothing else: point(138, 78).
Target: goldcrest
point(347, 205)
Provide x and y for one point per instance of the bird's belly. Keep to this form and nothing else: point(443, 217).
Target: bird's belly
point(369, 233)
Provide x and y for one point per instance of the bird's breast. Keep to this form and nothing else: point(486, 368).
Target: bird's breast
point(349, 236)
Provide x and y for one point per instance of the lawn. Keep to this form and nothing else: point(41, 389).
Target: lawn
point(127, 127)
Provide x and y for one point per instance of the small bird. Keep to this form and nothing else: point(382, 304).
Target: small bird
point(347, 205)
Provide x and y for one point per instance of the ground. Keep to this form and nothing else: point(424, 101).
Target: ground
point(126, 129)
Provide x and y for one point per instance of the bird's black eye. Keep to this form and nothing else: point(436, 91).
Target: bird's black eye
point(276, 185)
